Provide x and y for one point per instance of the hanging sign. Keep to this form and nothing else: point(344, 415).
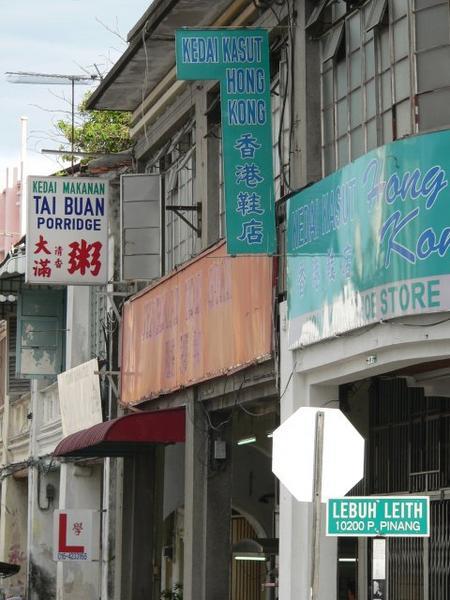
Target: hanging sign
point(79, 397)
point(371, 242)
point(239, 59)
point(76, 535)
point(67, 231)
point(387, 516)
point(187, 324)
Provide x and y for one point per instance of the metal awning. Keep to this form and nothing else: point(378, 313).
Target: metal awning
point(151, 51)
point(13, 266)
point(125, 436)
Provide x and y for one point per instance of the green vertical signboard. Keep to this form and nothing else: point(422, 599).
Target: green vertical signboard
point(239, 59)
point(388, 516)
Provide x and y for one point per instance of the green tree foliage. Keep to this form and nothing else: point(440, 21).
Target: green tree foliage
point(175, 594)
point(102, 131)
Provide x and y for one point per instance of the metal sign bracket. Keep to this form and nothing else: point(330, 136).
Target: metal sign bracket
point(185, 208)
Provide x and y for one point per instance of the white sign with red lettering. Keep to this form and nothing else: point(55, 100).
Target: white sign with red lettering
point(76, 535)
point(67, 231)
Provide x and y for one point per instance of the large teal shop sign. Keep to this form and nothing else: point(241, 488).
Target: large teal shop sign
point(239, 59)
point(370, 516)
point(372, 241)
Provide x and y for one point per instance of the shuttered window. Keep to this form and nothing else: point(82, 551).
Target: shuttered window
point(40, 333)
point(15, 386)
point(367, 82)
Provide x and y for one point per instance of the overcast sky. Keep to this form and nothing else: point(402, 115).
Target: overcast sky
point(53, 36)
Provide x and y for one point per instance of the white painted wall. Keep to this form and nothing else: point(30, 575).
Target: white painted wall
point(77, 338)
point(79, 487)
point(42, 568)
point(296, 517)
point(14, 510)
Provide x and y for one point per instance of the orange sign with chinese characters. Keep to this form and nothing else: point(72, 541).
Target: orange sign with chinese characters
point(211, 317)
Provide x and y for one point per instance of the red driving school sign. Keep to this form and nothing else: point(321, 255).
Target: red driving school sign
point(76, 535)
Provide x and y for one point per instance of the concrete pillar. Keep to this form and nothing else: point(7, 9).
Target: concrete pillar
point(116, 538)
point(5, 430)
point(218, 516)
point(112, 528)
point(14, 527)
point(296, 517)
point(196, 453)
point(80, 487)
point(140, 547)
point(78, 334)
point(41, 566)
point(305, 164)
point(207, 176)
point(207, 552)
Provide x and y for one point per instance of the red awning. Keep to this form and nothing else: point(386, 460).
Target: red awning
point(128, 435)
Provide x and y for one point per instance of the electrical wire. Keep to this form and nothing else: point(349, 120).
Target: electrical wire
point(146, 78)
point(292, 38)
point(40, 463)
point(285, 92)
point(288, 381)
point(392, 322)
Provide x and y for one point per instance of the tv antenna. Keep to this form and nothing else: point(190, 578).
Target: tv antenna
point(55, 79)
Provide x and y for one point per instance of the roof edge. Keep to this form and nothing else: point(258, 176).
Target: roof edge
point(146, 24)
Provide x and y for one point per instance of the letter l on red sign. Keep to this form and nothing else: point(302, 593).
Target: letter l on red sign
point(62, 541)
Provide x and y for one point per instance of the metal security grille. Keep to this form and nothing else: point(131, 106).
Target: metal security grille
point(409, 439)
point(98, 310)
point(247, 577)
point(419, 569)
point(405, 569)
point(408, 452)
point(439, 551)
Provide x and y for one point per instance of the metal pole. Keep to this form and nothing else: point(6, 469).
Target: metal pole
point(317, 505)
point(23, 167)
point(73, 120)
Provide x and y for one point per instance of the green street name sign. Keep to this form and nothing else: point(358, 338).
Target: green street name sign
point(370, 516)
point(239, 59)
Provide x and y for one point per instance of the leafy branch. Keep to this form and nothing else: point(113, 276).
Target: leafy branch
point(97, 131)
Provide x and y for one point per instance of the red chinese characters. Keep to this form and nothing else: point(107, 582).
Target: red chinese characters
point(80, 257)
point(41, 268)
point(77, 527)
point(42, 246)
point(85, 257)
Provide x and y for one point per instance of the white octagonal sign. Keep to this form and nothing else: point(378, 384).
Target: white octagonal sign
point(293, 454)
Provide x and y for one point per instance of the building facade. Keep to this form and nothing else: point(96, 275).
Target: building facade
point(215, 350)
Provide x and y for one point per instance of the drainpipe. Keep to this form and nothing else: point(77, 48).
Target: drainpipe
point(32, 474)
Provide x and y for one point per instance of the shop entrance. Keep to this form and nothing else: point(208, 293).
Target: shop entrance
point(407, 451)
point(247, 577)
